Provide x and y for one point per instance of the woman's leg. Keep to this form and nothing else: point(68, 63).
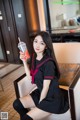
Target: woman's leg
point(27, 101)
point(36, 114)
point(21, 105)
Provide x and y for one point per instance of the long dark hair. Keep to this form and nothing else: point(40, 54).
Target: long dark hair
point(49, 51)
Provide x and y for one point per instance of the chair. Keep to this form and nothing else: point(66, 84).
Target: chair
point(23, 86)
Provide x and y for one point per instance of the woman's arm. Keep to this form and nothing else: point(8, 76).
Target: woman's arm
point(45, 89)
point(27, 70)
point(26, 66)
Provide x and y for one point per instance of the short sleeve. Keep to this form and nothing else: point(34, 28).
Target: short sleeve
point(49, 70)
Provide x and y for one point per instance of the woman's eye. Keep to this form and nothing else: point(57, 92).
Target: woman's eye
point(35, 41)
point(42, 43)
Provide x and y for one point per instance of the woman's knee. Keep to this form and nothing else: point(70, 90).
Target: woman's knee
point(16, 104)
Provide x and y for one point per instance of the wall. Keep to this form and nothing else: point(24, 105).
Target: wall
point(31, 13)
point(41, 15)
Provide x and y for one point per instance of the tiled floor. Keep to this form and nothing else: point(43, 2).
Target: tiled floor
point(2, 64)
point(8, 95)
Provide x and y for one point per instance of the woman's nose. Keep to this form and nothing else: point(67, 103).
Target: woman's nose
point(38, 45)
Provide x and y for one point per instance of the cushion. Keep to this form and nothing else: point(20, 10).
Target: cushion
point(68, 72)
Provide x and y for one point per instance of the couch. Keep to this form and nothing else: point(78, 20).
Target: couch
point(68, 57)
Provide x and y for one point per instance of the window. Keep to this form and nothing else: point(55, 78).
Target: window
point(64, 14)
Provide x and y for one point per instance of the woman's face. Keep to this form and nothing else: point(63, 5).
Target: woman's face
point(39, 45)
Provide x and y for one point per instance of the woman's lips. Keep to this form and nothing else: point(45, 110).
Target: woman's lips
point(37, 49)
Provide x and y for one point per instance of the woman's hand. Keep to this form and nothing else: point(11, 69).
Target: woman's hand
point(45, 89)
point(23, 56)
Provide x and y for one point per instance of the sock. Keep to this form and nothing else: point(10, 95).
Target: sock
point(17, 105)
point(26, 117)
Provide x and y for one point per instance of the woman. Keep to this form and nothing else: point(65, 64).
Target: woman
point(48, 97)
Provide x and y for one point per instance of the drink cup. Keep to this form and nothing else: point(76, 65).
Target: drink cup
point(23, 48)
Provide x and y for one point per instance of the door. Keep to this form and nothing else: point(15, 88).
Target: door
point(3, 57)
point(8, 33)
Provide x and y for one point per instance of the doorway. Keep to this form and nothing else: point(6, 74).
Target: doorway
point(8, 34)
point(3, 57)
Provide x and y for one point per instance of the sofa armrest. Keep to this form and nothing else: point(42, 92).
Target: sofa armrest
point(23, 86)
point(74, 93)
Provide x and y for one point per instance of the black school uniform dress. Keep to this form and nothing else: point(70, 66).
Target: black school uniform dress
point(56, 100)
